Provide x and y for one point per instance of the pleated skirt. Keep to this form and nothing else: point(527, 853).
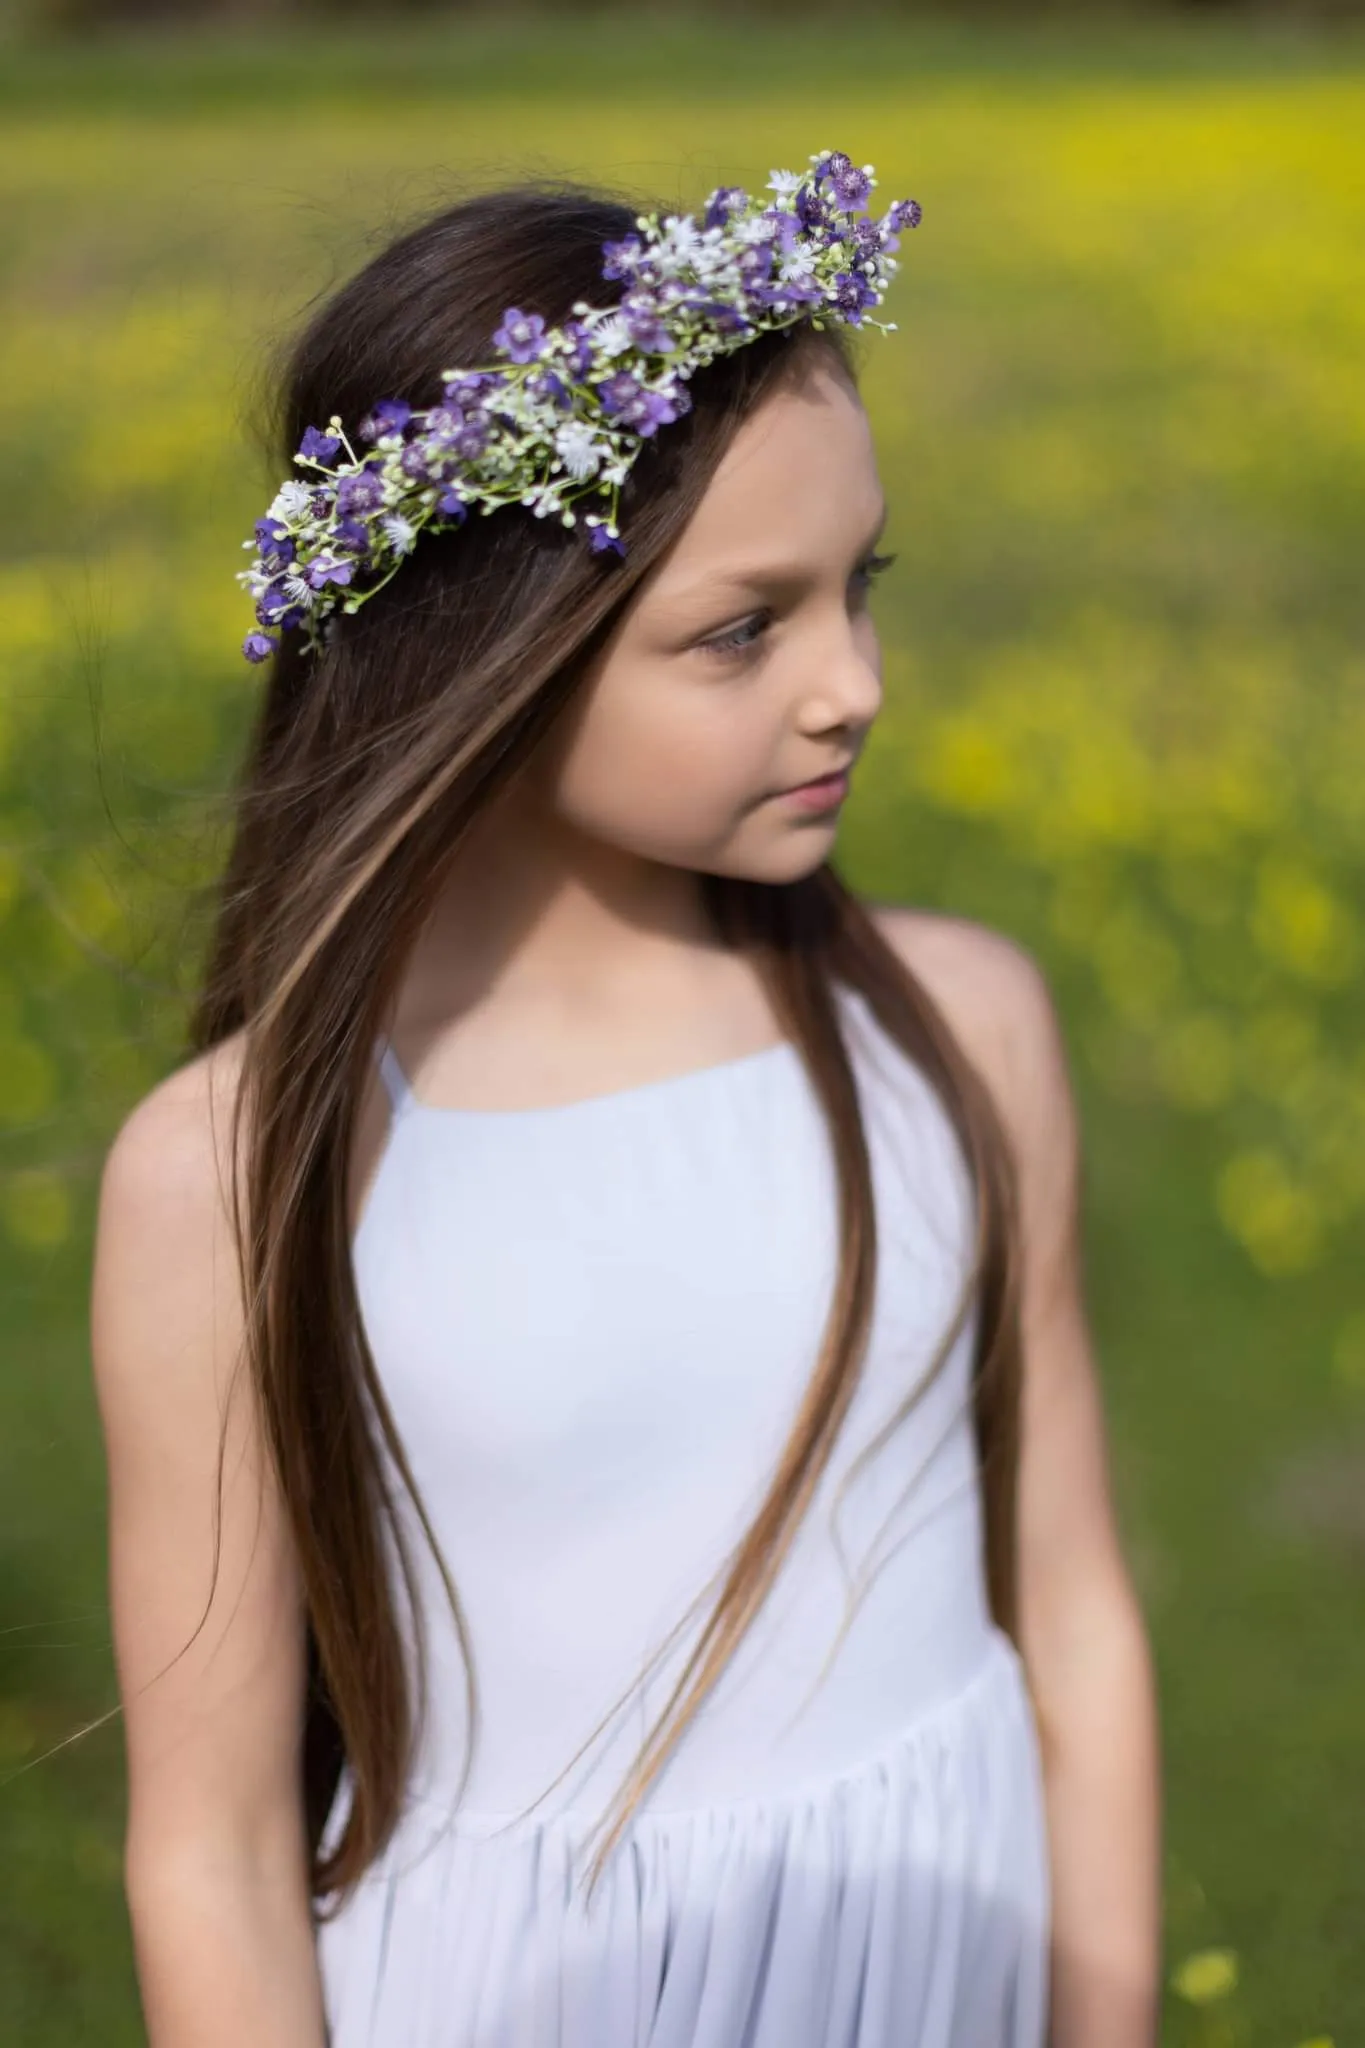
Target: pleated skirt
point(902, 1904)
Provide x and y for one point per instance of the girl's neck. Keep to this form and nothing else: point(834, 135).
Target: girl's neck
point(529, 1041)
point(533, 912)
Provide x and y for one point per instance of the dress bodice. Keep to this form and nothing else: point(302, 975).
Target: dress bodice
point(595, 1324)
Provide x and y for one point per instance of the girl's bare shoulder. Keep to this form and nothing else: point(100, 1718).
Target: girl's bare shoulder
point(998, 1003)
point(164, 1240)
point(171, 1148)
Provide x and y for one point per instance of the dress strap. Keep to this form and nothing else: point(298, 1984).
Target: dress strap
point(395, 1080)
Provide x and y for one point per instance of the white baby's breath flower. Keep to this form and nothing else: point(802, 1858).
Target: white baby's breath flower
point(681, 236)
point(798, 266)
point(612, 337)
point(578, 449)
point(400, 533)
point(292, 501)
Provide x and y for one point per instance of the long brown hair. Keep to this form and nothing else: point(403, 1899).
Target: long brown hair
point(365, 768)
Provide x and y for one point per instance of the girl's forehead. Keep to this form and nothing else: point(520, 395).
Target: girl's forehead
point(800, 475)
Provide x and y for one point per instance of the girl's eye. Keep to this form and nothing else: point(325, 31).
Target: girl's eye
point(738, 639)
point(745, 635)
point(866, 574)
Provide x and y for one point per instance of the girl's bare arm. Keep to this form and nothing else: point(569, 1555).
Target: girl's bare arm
point(1082, 1632)
point(215, 1856)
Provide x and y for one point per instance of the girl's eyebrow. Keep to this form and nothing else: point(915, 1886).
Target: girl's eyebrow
point(769, 576)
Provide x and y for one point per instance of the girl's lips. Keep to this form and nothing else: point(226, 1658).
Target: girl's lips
point(818, 796)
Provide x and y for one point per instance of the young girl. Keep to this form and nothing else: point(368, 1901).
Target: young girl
point(610, 1538)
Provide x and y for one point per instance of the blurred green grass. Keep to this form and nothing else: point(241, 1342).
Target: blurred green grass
point(1122, 427)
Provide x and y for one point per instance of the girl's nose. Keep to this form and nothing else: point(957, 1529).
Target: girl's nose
point(849, 681)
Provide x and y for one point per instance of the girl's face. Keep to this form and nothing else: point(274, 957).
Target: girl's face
point(747, 663)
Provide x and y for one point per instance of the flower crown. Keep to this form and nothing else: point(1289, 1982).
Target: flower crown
point(561, 417)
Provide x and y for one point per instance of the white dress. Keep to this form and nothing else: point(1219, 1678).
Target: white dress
point(594, 1323)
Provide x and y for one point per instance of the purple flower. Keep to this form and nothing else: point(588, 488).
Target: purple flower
point(755, 262)
point(793, 291)
point(725, 319)
point(811, 210)
point(904, 213)
point(360, 493)
point(521, 337)
point(619, 391)
point(622, 259)
point(647, 330)
point(646, 411)
point(547, 385)
point(852, 187)
point(473, 437)
point(349, 533)
point(452, 431)
point(317, 447)
point(259, 646)
point(722, 204)
point(851, 294)
point(326, 569)
point(451, 505)
point(390, 416)
point(785, 227)
point(466, 387)
point(417, 459)
point(275, 607)
point(603, 542)
point(580, 362)
point(276, 546)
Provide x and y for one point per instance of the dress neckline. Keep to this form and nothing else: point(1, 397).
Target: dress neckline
point(404, 1101)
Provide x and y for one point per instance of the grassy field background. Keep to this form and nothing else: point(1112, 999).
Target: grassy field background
point(1123, 430)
